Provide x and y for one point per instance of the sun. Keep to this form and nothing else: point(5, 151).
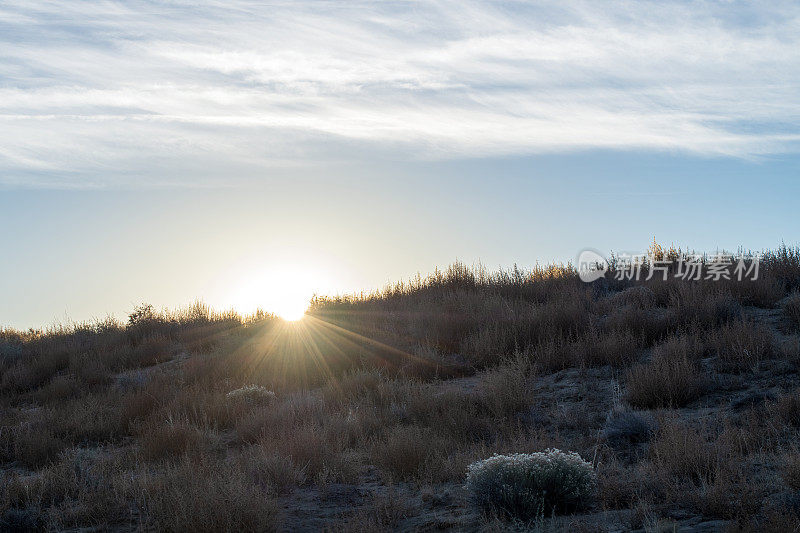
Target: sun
point(291, 310)
point(284, 292)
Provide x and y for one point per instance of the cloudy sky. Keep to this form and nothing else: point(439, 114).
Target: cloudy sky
point(363, 141)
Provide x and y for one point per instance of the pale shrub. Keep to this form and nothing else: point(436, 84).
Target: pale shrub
point(528, 486)
point(252, 394)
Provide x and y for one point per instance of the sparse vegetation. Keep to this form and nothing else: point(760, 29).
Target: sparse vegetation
point(683, 394)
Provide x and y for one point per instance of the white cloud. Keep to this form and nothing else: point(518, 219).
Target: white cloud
point(108, 92)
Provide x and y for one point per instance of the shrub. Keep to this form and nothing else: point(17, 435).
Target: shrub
point(152, 350)
point(637, 296)
point(251, 427)
point(649, 324)
point(741, 346)
point(790, 470)
point(615, 347)
point(251, 395)
point(28, 374)
point(527, 486)
point(353, 386)
point(505, 391)
point(383, 511)
point(684, 453)
point(137, 406)
point(22, 520)
point(306, 445)
point(787, 408)
point(732, 494)
point(688, 346)
point(32, 444)
point(171, 440)
point(702, 306)
point(791, 309)
point(273, 471)
point(664, 382)
point(60, 388)
point(404, 451)
point(203, 497)
point(91, 371)
point(617, 484)
point(296, 411)
point(624, 428)
point(763, 292)
point(456, 414)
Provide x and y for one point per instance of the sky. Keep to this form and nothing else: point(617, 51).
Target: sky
point(248, 153)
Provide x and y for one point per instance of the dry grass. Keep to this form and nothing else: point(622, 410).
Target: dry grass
point(741, 345)
point(791, 309)
point(34, 445)
point(665, 382)
point(507, 391)
point(204, 497)
point(787, 408)
point(790, 469)
point(271, 471)
point(173, 440)
point(624, 429)
point(703, 305)
point(131, 425)
point(405, 451)
point(684, 453)
point(383, 512)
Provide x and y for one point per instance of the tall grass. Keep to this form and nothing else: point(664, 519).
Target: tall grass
point(151, 421)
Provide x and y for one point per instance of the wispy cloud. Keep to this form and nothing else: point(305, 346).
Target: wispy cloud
point(99, 92)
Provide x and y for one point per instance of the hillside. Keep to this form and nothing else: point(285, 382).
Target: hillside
point(365, 415)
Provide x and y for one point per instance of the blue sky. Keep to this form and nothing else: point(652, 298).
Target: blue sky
point(165, 152)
